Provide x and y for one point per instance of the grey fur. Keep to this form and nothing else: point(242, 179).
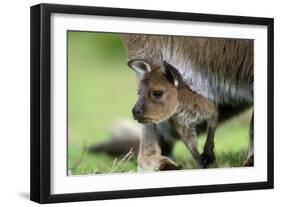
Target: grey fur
point(219, 69)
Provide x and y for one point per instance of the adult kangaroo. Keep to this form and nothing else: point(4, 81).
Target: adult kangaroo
point(219, 69)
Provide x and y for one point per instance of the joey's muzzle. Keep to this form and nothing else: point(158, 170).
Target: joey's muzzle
point(138, 113)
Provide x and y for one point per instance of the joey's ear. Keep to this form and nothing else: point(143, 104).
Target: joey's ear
point(140, 66)
point(171, 74)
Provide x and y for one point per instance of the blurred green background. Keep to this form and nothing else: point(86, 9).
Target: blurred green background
point(102, 90)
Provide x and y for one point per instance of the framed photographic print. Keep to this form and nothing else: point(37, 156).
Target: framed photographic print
point(132, 103)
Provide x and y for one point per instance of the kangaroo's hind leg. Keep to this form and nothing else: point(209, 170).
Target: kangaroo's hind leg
point(250, 156)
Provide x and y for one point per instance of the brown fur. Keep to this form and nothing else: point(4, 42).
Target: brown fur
point(179, 103)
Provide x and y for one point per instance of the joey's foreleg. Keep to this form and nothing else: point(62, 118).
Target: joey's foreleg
point(150, 158)
point(189, 137)
point(167, 137)
point(208, 156)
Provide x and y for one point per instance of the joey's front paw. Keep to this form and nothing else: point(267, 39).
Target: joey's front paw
point(207, 159)
point(157, 163)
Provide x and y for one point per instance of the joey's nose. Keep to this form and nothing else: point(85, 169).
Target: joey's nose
point(137, 112)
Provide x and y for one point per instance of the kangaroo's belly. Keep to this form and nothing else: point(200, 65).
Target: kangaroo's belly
point(216, 89)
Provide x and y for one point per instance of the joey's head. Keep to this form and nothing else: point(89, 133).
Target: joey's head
point(157, 91)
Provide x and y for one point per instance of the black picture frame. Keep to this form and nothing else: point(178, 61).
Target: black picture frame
point(41, 98)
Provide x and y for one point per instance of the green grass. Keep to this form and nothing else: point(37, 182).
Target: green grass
point(102, 89)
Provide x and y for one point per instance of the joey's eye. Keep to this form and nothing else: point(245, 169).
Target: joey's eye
point(157, 94)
